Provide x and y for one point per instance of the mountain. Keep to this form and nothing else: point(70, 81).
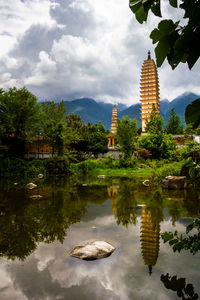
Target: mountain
point(179, 104)
point(92, 112)
point(132, 112)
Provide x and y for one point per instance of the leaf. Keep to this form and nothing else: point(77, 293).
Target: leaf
point(166, 236)
point(155, 35)
point(172, 242)
point(173, 3)
point(138, 9)
point(162, 50)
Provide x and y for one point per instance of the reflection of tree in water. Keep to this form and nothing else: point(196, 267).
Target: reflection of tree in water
point(182, 203)
point(178, 285)
point(155, 205)
point(123, 203)
point(24, 222)
point(150, 237)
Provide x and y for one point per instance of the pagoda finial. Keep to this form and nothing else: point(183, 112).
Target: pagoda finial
point(150, 270)
point(149, 54)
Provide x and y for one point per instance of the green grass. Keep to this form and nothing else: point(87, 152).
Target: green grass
point(123, 172)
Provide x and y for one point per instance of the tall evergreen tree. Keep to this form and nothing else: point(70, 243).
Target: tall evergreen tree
point(155, 124)
point(174, 125)
point(127, 135)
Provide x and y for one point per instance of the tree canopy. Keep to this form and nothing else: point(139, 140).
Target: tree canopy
point(127, 135)
point(155, 124)
point(174, 125)
point(192, 113)
point(176, 42)
point(18, 116)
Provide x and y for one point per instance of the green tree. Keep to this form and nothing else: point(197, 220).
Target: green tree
point(188, 130)
point(192, 113)
point(160, 145)
point(155, 124)
point(127, 135)
point(179, 43)
point(53, 124)
point(18, 117)
point(95, 139)
point(174, 125)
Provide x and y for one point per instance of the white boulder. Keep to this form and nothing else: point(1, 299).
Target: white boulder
point(31, 186)
point(93, 250)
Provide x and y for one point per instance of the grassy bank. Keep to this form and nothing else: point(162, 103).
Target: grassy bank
point(153, 170)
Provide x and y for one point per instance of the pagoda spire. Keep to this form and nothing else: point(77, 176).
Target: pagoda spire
point(149, 90)
point(113, 128)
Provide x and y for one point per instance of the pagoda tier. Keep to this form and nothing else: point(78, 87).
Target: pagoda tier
point(149, 90)
point(114, 121)
point(149, 238)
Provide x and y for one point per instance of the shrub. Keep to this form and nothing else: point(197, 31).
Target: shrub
point(160, 145)
point(58, 166)
point(144, 153)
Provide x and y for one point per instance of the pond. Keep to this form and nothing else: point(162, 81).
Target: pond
point(37, 235)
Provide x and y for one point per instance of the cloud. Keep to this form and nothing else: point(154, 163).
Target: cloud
point(66, 49)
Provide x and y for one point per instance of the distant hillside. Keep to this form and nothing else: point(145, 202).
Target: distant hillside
point(92, 112)
point(179, 104)
point(132, 112)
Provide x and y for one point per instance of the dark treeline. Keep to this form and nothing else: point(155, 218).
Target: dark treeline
point(23, 120)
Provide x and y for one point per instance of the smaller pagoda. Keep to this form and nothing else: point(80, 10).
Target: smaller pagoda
point(113, 129)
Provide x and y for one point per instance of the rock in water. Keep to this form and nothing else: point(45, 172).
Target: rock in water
point(35, 197)
point(146, 182)
point(31, 186)
point(93, 250)
point(174, 182)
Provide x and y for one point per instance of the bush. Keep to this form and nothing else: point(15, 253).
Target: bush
point(160, 145)
point(57, 166)
point(124, 163)
point(144, 153)
point(173, 169)
point(16, 167)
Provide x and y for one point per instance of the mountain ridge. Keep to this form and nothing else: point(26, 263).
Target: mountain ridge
point(92, 111)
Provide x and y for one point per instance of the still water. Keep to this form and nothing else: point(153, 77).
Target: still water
point(37, 235)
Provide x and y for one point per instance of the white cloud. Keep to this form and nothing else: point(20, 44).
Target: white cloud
point(44, 72)
point(17, 16)
point(78, 48)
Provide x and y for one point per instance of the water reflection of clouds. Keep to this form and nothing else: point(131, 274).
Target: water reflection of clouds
point(50, 273)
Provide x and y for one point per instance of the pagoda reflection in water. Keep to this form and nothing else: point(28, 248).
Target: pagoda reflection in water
point(150, 236)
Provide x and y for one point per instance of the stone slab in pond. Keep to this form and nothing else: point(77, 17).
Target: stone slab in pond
point(93, 250)
point(174, 182)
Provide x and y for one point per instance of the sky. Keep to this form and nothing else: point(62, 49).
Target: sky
point(69, 49)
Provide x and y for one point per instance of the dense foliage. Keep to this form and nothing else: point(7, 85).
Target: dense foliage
point(24, 120)
point(18, 117)
point(158, 144)
point(174, 125)
point(155, 123)
point(127, 135)
point(177, 42)
point(189, 242)
point(192, 114)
